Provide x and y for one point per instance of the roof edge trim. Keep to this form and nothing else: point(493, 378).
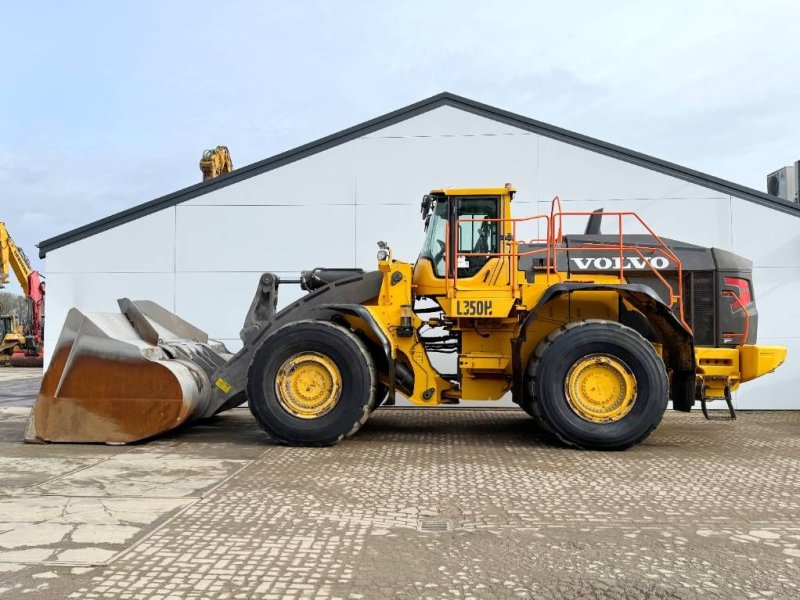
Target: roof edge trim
point(397, 116)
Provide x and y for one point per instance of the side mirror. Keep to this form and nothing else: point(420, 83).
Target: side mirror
point(425, 207)
point(427, 222)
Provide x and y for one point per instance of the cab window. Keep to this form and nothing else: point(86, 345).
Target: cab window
point(477, 232)
point(476, 235)
point(434, 246)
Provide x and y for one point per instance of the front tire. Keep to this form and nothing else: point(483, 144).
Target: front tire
point(312, 383)
point(597, 385)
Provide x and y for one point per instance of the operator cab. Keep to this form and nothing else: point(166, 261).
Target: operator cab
point(478, 214)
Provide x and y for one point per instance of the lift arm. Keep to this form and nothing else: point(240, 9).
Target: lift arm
point(12, 257)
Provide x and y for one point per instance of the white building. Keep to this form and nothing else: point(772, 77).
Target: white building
point(326, 204)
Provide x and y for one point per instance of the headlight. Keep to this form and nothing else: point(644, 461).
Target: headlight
point(383, 254)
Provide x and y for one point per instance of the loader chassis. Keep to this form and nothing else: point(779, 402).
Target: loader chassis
point(588, 334)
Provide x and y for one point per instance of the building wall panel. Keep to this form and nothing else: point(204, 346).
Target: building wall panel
point(769, 238)
point(401, 170)
point(777, 290)
point(98, 292)
point(709, 224)
point(203, 258)
point(446, 121)
point(263, 238)
point(401, 226)
point(575, 173)
point(777, 390)
point(144, 245)
point(218, 302)
point(324, 178)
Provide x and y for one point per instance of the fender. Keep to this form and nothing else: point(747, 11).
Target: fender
point(262, 321)
point(677, 339)
point(362, 313)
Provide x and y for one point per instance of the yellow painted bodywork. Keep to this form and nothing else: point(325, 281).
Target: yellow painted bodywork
point(14, 337)
point(12, 259)
point(216, 162)
point(755, 361)
point(472, 191)
point(721, 368)
point(487, 308)
point(429, 386)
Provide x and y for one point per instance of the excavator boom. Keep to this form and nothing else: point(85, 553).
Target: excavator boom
point(216, 162)
point(12, 256)
point(13, 259)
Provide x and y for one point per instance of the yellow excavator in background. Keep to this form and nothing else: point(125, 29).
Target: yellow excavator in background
point(216, 162)
point(16, 338)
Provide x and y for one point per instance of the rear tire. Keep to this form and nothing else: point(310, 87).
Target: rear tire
point(638, 387)
point(341, 417)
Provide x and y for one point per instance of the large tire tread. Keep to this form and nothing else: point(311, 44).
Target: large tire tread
point(346, 429)
point(533, 373)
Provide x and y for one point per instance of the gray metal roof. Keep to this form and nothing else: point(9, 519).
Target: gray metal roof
point(443, 99)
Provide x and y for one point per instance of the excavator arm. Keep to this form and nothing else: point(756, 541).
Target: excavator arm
point(12, 256)
point(216, 162)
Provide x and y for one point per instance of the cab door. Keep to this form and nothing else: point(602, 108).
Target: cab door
point(479, 263)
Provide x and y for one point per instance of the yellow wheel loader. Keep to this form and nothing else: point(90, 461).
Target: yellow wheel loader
point(12, 337)
point(591, 334)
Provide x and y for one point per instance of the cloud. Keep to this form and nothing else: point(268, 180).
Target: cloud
point(106, 108)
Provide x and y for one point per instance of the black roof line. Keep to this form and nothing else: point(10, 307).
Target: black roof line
point(412, 110)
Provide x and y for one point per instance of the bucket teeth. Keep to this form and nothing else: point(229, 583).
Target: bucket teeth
point(123, 377)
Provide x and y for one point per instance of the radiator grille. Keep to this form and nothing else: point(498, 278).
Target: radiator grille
point(699, 306)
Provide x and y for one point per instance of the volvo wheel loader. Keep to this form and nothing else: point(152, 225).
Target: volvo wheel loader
point(590, 334)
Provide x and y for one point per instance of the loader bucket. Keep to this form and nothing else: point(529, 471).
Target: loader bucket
point(122, 377)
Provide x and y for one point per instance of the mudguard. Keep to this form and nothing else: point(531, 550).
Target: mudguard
point(677, 339)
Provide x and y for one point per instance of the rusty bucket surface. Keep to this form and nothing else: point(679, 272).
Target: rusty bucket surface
point(123, 377)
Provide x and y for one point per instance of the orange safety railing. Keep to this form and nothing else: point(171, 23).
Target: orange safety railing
point(553, 244)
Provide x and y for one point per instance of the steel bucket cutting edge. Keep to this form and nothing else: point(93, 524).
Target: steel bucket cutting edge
point(123, 377)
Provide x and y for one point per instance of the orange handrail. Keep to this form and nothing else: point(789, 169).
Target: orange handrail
point(552, 244)
point(552, 233)
point(513, 270)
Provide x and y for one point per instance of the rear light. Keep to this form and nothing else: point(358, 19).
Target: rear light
point(742, 297)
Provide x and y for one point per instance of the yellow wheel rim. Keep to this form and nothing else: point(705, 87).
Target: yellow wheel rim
point(308, 385)
point(600, 388)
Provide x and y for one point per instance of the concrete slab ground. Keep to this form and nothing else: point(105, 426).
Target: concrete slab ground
point(19, 386)
point(447, 503)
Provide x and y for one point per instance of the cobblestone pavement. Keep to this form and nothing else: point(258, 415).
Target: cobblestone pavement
point(19, 386)
point(420, 504)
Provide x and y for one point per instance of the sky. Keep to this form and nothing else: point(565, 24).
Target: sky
point(105, 105)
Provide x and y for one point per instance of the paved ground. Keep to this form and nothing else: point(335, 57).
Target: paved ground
point(18, 387)
point(420, 504)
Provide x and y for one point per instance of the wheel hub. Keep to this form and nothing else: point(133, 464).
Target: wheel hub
point(308, 385)
point(600, 388)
